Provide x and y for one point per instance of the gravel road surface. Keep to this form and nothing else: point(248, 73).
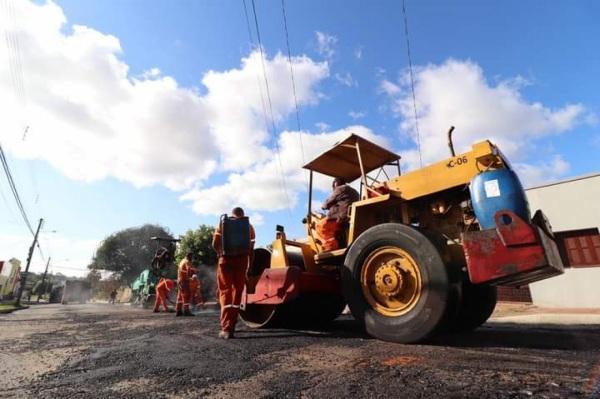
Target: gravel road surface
point(104, 351)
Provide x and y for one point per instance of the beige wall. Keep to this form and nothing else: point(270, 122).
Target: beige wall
point(569, 205)
point(576, 288)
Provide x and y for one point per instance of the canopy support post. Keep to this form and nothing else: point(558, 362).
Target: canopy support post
point(360, 163)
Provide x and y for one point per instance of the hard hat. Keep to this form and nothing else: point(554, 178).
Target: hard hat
point(195, 276)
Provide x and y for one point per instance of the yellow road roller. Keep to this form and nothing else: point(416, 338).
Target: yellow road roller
point(421, 253)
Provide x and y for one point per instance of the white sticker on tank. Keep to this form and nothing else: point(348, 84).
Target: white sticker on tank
point(492, 189)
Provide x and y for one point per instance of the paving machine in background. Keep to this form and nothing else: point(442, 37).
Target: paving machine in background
point(422, 253)
point(143, 288)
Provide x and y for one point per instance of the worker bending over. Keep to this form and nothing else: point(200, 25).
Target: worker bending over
point(196, 292)
point(337, 205)
point(184, 275)
point(233, 245)
point(163, 288)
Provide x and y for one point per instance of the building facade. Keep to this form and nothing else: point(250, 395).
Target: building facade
point(9, 277)
point(573, 208)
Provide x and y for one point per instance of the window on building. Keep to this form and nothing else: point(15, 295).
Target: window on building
point(5, 269)
point(579, 248)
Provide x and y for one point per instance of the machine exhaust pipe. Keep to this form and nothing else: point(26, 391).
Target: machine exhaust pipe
point(450, 144)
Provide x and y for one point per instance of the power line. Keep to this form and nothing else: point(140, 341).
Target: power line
point(287, 42)
point(264, 69)
point(260, 90)
point(14, 190)
point(412, 82)
point(16, 72)
point(17, 197)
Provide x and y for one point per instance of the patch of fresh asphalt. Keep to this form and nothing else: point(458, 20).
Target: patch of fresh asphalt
point(103, 351)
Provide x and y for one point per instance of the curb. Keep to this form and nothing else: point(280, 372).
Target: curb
point(7, 311)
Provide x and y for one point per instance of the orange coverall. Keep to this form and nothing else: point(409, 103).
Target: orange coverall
point(184, 275)
point(162, 290)
point(231, 278)
point(327, 230)
point(337, 205)
point(196, 292)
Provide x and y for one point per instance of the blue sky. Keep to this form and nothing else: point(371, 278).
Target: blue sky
point(521, 73)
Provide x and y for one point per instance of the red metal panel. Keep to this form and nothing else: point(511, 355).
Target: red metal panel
point(280, 285)
point(320, 283)
point(515, 253)
point(276, 286)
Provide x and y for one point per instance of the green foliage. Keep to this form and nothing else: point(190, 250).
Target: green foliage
point(128, 252)
point(199, 242)
point(94, 278)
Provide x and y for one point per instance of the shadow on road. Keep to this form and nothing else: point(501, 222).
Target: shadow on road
point(537, 336)
point(343, 328)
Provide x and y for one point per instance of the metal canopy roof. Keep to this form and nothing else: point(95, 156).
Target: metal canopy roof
point(342, 159)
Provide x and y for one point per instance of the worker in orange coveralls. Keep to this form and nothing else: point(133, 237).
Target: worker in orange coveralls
point(184, 274)
point(231, 278)
point(337, 205)
point(196, 292)
point(163, 288)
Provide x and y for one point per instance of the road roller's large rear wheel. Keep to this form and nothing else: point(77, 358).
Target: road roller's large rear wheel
point(477, 305)
point(396, 283)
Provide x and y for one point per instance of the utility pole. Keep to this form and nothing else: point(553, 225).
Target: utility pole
point(44, 278)
point(24, 274)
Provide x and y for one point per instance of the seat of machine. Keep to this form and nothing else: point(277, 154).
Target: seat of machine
point(329, 254)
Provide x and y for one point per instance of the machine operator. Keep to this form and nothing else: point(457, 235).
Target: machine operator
point(337, 205)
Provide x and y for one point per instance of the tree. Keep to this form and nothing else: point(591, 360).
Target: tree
point(199, 242)
point(128, 252)
point(94, 277)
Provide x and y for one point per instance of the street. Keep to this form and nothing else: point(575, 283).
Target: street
point(99, 350)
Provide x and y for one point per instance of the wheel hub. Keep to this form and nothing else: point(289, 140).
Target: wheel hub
point(391, 281)
point(388, 279)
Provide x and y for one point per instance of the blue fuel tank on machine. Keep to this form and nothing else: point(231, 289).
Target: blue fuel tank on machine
point(497, 190)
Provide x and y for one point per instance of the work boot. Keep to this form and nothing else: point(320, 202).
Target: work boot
point(188, 313)
point(224, 335)
point(156, 310)
point(178, 313)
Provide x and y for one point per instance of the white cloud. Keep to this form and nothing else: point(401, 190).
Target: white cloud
point(389, 88)
point(457, 93)
point(326, 44)
point(261, 188)
point(91, 119)
point(346, 79)
point(257, 219)
point(542, 172)
point(236, 103)
point(357, 114)
point(358, 52)
point(322, 126)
